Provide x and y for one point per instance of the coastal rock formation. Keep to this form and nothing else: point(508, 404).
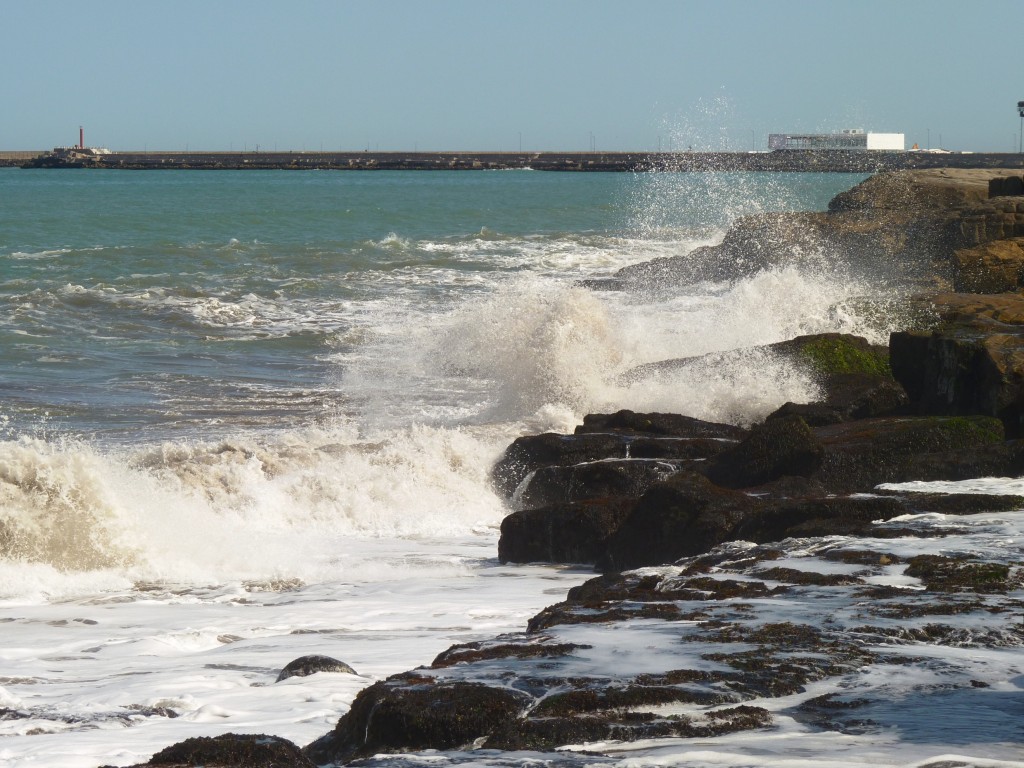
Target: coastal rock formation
point(903, 226)
point(971, 361)
point(723, 642)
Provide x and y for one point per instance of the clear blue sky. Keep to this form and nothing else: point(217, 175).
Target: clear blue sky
point(495, 75)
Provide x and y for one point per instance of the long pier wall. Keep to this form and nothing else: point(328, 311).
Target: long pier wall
point(8, 159)
point(784, 160)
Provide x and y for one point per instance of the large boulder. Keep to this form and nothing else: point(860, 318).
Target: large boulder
point(684, 515)
point(848, 397)
point(779, 447)
point(971, 362)
point(857, 456)
point(399, 715)
point(531, 452)
point(232, 750)
point(310, 665)
point(917, 191)
point(609, 477)
point(900, 225)
point(658, 425)
point(562, 533)
point(619, 436)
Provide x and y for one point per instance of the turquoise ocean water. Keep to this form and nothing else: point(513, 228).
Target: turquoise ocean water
point(141, 306)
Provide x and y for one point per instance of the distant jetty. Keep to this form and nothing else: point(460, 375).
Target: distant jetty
point(839, 161)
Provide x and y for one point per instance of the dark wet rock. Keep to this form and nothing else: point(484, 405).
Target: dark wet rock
point(834, 354)
point(624, 478)
point(792, 475)
point(730, 649)
point(684, 515)
point(892, 604)
point(531, 452)
point(958, 503)
point(848, 397)
point(950, 574)
point(539, 733)
point(822, 355)
point(601, 440)
point(233, 750)
point(780, 447)
point(794, 576)
point(788, 487)
point(995, 460)
point(832, 712)
point(938, 634)
point(310, 665)
point(562, 533)
point(467, 653)
point(660, 424)
point(402, 715)
point(623, 596)
point(862, 454)
point(860, 556)
point(971, 362)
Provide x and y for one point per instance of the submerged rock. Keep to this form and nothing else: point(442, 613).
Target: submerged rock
point(310, 665)
point(407, 713)
point(232, 750)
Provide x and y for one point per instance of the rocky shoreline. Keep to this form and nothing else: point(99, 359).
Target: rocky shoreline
point(747, 571)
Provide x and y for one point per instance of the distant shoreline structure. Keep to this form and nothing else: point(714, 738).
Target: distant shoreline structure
point(833, 161)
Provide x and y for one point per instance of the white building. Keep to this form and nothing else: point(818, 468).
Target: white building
point(848, 138)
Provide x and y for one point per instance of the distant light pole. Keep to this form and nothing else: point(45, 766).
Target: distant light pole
point(1020, 140)
point(753, 141)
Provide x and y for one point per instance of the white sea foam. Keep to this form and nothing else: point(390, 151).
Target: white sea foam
point(278, 509)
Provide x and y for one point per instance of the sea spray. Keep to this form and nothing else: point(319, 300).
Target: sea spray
point(539, 342)
point(60, 507)
point(536, 342)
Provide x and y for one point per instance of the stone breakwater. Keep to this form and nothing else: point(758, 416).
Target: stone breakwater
point(817, 161)
point(752, 574)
